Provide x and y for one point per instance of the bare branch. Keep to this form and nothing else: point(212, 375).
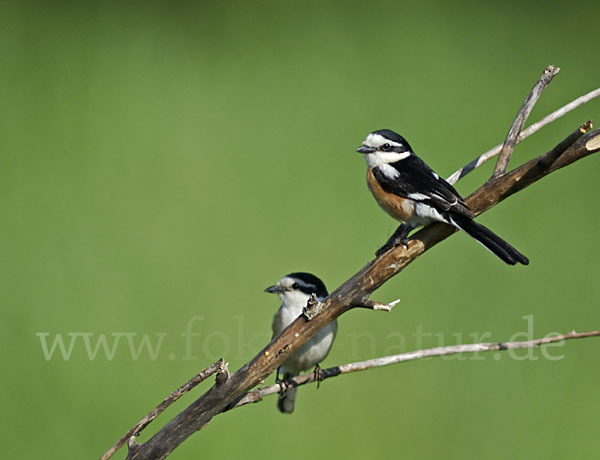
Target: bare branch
point(372, 305)
point(350, 294)
point(513, 133)
point(566, 143)
point(491, 153)
point(593, 144)
point(258, 394)
point(129, 437)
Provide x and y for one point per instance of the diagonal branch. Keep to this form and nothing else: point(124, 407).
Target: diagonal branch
point(346, 297)
point(258, 394)
point(219, 366)
point(491, 153)
point(514, 131)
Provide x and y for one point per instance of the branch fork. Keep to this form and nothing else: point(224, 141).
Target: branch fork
point(515, 130)
point(130, 436)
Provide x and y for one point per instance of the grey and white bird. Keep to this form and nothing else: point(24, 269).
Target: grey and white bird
point(294, 290)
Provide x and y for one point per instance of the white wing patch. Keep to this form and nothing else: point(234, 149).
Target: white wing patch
point(417, 196)
point(427, 213)
point(389, 171)
point(435, 176)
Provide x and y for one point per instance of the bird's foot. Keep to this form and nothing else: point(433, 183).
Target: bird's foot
point(391, 244)
point(400, 237)
point(283, 386)
point(318, 374)
point(278, 381)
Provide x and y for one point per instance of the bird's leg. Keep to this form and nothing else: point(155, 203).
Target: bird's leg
point(283, 386)
point(399, 237)
point(318, 373)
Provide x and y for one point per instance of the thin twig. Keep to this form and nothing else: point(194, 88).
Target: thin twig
point(257, 395)
point(513, 133)
point(372, 305)
point(559, 113)
point(139, 426)
point(491, 153)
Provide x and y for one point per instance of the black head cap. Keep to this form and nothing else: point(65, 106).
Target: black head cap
point(393, 136)
point(311, 283)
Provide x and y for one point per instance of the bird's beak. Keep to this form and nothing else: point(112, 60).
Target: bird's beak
point(365, 149)
point(274, 289)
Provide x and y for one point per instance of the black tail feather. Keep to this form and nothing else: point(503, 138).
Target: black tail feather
point(490, 240)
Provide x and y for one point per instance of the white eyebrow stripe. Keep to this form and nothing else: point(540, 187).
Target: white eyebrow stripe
point(291, 281)
point(377, 140)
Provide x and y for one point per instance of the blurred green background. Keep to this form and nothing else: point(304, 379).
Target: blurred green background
point(162, 163)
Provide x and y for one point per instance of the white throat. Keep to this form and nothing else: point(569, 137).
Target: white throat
point(383, 158)
point(295, 301)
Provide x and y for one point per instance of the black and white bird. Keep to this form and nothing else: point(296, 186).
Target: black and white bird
point(411, 192)
point(294, 290)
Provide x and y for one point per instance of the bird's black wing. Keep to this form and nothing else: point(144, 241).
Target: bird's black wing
point(417, 181)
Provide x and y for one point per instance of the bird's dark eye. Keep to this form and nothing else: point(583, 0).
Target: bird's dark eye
point(386, 147)
point(295, 286)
